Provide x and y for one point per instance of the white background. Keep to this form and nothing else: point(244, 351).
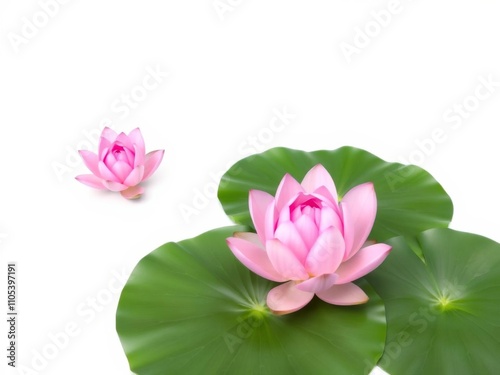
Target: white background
point(227, 74)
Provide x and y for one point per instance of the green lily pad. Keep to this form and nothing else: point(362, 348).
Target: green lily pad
point(443, 314)
point(410, 200)
point(192, 308)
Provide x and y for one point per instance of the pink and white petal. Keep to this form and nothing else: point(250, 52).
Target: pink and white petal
point(316, 177)
point(344, 295)
point(136, 138)
point(294, 215)
point(120, 153)
point(359, 208)
point(284, 215)
point(109, 159)
point(327, 196)
point(109, 134)
point(318, 284)
point(330, 218)
point(91, 161)
point(284, 261)
point(270, 225)
point(91, 180)
point(364, 262)
point(104, 146)
point(139, 157)
point(287, 190)
point(250, 237)
point(327, 253)
point(303, 200)
point(258, 202)
point(105, 173)
point(307, 229)
point(286, 298)
point(121, 170)
point(114, 186)
point(135, 176)
point(288, 234)
point(152, 162)
point(369, 243)
point(125, 141)
point(129, 156)
point(132, 192)
point(254, 257)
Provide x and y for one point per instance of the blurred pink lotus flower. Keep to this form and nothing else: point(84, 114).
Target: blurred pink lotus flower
point(307, 238)
point(120, 164)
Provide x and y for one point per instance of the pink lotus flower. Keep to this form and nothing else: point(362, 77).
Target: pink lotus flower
point(305, 237)
point(120, 164)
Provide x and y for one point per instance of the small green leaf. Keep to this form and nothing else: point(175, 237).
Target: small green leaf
point(409, 199)
point(192, 308)
point(443, 314)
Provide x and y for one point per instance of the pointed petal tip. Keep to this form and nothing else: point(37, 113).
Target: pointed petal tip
point(252, 192)
point(369, 184)
point(159, 151)
point(90, 180)
point(319, 168)
point(152, 162)
point(363, 262)
point(85, 153)
point(317, 177)
point(136, 137)
point(109, 134)
point(359, 209)
point(249, 237)
point(287, 189)
point(254, 257)
point(258, 203)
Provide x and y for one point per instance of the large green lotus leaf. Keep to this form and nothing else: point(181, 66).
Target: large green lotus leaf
point(192, 308)
point(443, 313)
point(410, 200)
